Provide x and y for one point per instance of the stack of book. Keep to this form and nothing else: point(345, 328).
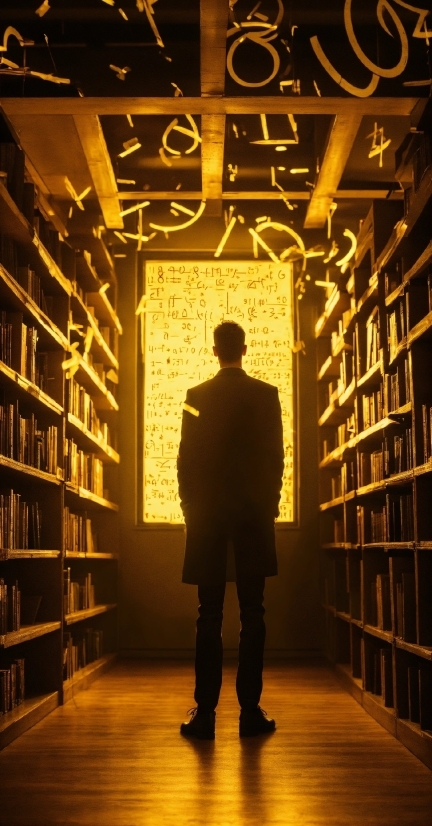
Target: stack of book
point(372, 339)
point(20, 523)
point(397, 388)
point(380, 611)
point(78, 532)
point(78, 595)
point(81, 405)
point(77, 653)
point(12, 692)
point(427, 432)
point(84, 470)
point(396, 328)
point(406, 627)
point(372, 406)
point(10, 607)
point(23, 440)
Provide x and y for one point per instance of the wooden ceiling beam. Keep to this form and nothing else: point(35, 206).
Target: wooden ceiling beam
point(212, 160)
point(340, 141)
point(342, 194)
point(208, 106)
point(99, 163)
point(213, 32)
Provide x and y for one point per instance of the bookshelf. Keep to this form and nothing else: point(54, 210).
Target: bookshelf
point(374, 345)
point(58, 456)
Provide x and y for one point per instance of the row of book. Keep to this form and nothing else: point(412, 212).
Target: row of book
point(20, 522)
point(372, 408)
point(12, 686)
point(79, 595)
point(107, 377)
point(84, 470)
point(346, 431)
point(80, 649)
point(405, 619)
point(422, 159)
point(396, 328)
point(18, 345)
point(81, 405)
point(371, 467)
point(427, 432)
point(392, 522)
point(78, 533)
point(22, 439)
point(380, 605)
point(419, 682)
point(10, 607)
point(397, 388)
point(378, 671)
point(373, 340)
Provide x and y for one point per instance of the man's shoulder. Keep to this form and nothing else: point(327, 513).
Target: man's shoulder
point(248, 383)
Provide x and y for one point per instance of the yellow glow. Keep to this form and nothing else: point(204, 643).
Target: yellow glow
point(134, 208)
point(183, 303)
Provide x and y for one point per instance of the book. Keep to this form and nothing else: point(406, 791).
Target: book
point(386, 665)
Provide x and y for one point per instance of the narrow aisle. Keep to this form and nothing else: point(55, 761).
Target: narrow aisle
point(113, 757)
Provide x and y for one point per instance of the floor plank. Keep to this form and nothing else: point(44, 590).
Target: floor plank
point(113, 756)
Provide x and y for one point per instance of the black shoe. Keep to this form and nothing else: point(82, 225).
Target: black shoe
point(201, 725)
point(255, 722)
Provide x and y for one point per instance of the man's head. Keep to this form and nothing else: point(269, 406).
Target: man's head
point(229, 340)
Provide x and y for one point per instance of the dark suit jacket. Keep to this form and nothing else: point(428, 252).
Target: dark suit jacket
point(230, 468)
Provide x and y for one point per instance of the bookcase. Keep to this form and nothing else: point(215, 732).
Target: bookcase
point(58, 455)
point(374, 344)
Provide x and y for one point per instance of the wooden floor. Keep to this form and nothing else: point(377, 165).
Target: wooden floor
point(113, 757)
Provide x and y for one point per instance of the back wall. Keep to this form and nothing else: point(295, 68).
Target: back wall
point(158, 612)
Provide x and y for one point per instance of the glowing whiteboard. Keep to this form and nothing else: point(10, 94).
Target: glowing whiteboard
point(185, 302)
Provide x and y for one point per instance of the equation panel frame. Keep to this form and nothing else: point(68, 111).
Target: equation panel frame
point(242, 266)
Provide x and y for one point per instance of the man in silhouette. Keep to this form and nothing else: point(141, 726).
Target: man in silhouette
point(230, 468)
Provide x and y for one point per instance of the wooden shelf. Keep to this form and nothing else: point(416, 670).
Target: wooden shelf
point(25, 389)
point(6, 553)
point(27, 633)
point(345, 398)
point(90, 498)
point(405, 227)
point(420, 265)
point(334, 503)
point(26, 715)
point(89, 379)
point(330, 368)
point(339, 546)
point(83, 678)
point(336, 455)
point(423, 651)
point(387, 636)
point(342, 615)
point(369, 296)
point(19, 467)
point(423, 328)
point(99, 348)
point(104, 310)
point(372, 431)
point(332, 415)
point(82, 555)
point(337, 303)
point(372, 377)
point(88, 613)
point(16, 296)
point(90, 442)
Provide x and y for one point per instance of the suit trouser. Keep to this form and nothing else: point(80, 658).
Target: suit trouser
point(209, 649)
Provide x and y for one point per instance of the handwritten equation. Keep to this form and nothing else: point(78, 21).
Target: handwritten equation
point(185, 302)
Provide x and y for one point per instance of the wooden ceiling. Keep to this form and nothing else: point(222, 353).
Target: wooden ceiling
point(70, 136)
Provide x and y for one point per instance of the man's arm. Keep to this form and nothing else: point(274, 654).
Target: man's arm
point(186, 455)
point(273, 451)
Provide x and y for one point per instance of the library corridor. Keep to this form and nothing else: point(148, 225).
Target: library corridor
point(215, 412)
point(114, 757)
